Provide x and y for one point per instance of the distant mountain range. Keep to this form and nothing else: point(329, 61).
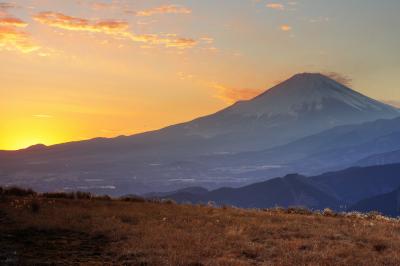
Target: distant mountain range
point(350, 189)
point(307, 124)
point(291, 190)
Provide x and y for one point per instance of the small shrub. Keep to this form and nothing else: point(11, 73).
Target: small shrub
point(133, 198)
point(34, 206)
point(373, 215)
point(83, 195)
point(380, 247)
point(18, 192)
point(305, 247)
point(355, 214)
point(128, 219)
point(275, 209)
point(299, 210)
point(168, 201)
point(250, 254)
point(153, 200)
point(211, 204)
point(2, 196)
point(328, 212)
point(225, 207)
point(103, 197)
point(58, 195)
point(195, 264)
point(279, 209)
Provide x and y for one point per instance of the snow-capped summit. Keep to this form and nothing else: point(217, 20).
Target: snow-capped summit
point(310, 92)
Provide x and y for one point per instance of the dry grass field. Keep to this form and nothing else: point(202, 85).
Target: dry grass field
point(46, 230)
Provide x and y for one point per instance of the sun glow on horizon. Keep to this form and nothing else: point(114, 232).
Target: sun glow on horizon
point(20, 144)
point(25, 133)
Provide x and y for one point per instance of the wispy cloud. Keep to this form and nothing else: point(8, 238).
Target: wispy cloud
point(42, 116)
point(6, 5)
point(185, 76)
point(12, 39)
point(224, 93)
point(207, 40)
point(276, 6)
point(66, 22)
point(232, 95)
point(115, 28)
point(319, 19)
point(285, 27)
point(165, 9)
point(144, 23)
point(102, 6)
point(14, 22)
point(341, 78)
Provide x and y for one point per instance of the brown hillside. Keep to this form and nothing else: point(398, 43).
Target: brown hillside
point(38, 229)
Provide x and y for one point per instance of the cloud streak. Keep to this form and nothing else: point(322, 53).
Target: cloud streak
point(66, 22)
point(115, 28)
point(343, 79)
point(14, 22)
point(5, 5)
point(12, 39)
point(276, 6)
point(285, 27)
point(165, 9)
point(42, 116)
point(232, 95)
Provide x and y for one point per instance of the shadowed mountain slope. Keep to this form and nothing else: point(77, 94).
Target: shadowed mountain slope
point(291, 190)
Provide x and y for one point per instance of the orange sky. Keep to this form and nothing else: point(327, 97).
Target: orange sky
point(73, 70)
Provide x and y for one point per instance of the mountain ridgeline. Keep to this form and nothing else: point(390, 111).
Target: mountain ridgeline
point(308, 124)
point(374, 188)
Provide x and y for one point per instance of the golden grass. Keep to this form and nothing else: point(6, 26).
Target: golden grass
point(116, 232)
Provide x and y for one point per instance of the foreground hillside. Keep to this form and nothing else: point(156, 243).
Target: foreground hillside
point(44, 229)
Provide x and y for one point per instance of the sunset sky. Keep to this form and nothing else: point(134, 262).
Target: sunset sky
point(78, 69)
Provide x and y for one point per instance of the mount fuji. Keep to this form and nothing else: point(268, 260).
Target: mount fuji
point(302, 105)
point(170, 158)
